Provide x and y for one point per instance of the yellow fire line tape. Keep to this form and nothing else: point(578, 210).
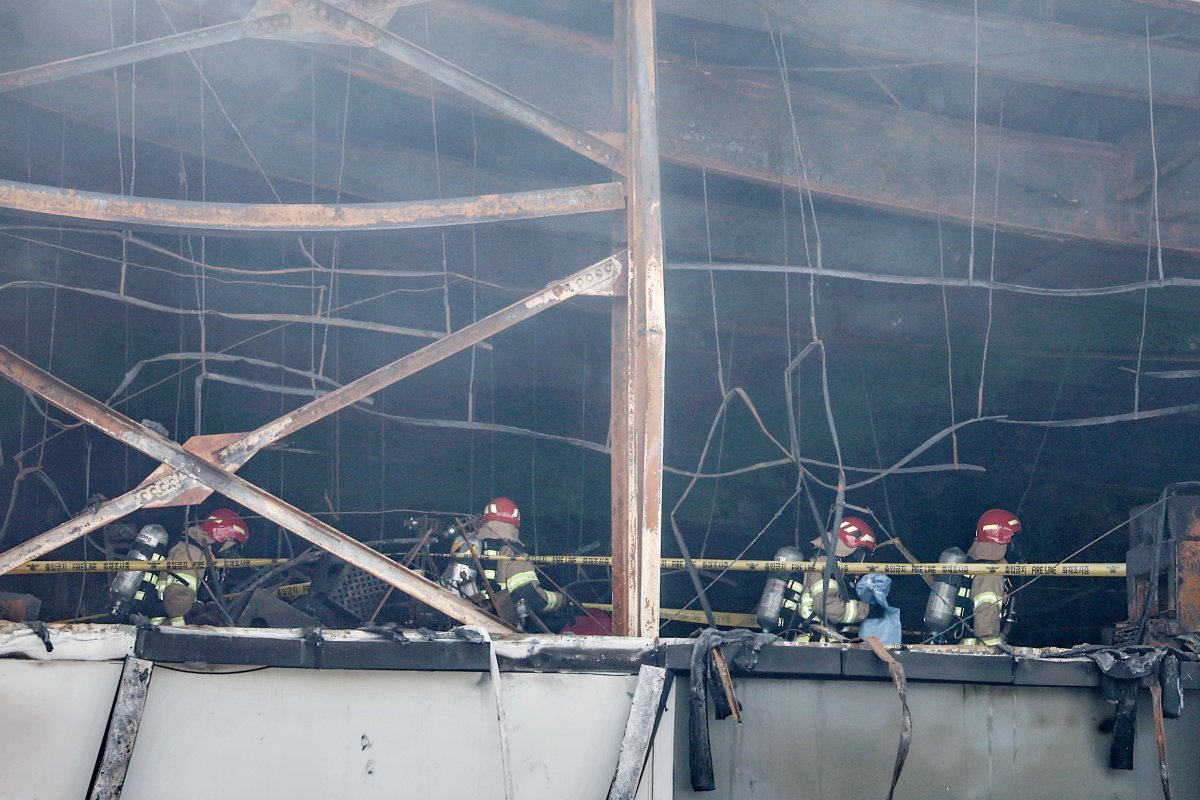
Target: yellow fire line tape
point(1061, 570)
point(726, 619)
point(849, 568)
point(59, 567)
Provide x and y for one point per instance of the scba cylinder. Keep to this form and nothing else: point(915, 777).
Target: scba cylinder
point(150, 544)
point(942, 611)
point(770, 605)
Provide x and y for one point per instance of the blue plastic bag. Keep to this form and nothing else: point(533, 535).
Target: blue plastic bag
point(874, 589)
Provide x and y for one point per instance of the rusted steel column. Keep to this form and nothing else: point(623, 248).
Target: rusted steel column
point(595, 279)
point(308, 217)
point(142, 51)
point(350, 550)
point(520, 111)
point(640, 345)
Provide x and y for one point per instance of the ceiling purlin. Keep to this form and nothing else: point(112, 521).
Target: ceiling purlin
point(876, 156)
point(1036, 52)
point(863, 153)
point(881, 157)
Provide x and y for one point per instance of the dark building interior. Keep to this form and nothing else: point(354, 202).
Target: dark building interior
point(987, 218)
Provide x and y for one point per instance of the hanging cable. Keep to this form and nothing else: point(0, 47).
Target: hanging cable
point(987, 332)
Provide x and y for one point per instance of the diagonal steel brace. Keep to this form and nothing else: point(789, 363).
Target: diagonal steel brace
point(349, 27)
point(186, 463)
point(594, 280)
point(225, 33)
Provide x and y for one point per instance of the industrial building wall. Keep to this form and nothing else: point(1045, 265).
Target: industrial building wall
point(289, 733)
point(262, 733)
point(53, 715)
point(366, 734)
point(837, 739)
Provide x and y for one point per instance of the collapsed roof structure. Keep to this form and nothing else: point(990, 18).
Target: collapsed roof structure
point(686, 278)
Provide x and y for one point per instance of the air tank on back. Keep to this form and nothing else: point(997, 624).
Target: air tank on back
point(149, 545)
point(459, 575)
point(770, 605)
point(942, 612)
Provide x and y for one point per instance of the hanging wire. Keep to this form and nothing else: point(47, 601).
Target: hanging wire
point(1062, 378)
point(974, 153)
point(1153, 150)
point(946, 325)
point(1154, 237)
point(887, 503)
point(437, 172)
point(987, 333)
point(474, 309)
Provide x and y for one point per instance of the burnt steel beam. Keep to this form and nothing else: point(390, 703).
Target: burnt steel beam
point(339, 22)
point(641, 348)
point(862, 153)
point(1040, 52)
point(137, 212)
point(595, 279)
point(1174, 147)
point(188, 465)
point(736, 232)
point(904, 161)
point(143, 51)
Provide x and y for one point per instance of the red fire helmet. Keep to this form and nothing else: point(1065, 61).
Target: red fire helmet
point(856, 533)
point(502, 510)
point(224, 524)
point(997, 526)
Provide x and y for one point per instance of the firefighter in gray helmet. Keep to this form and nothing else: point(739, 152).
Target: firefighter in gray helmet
point(510, 588)
point(808, 597)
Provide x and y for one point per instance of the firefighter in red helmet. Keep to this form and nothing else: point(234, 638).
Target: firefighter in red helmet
point(810, 598)
point(512, 587)
point(993, 534)
point(221, 533)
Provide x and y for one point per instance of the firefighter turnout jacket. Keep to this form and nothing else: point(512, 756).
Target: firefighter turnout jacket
point(811, 598)
point(167, 596)
point(517, 578)
point(987, 595)
point(177, 589)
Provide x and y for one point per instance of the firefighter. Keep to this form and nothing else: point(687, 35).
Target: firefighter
point(810, 598)
point(221, 534)
point(511, 589)
point(993, 533)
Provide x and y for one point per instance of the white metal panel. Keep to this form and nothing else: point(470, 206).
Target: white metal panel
point(279, 733)
point(837, 739)
point(53, 715)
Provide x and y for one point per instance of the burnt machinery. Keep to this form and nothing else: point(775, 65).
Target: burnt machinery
point(1163, 582)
